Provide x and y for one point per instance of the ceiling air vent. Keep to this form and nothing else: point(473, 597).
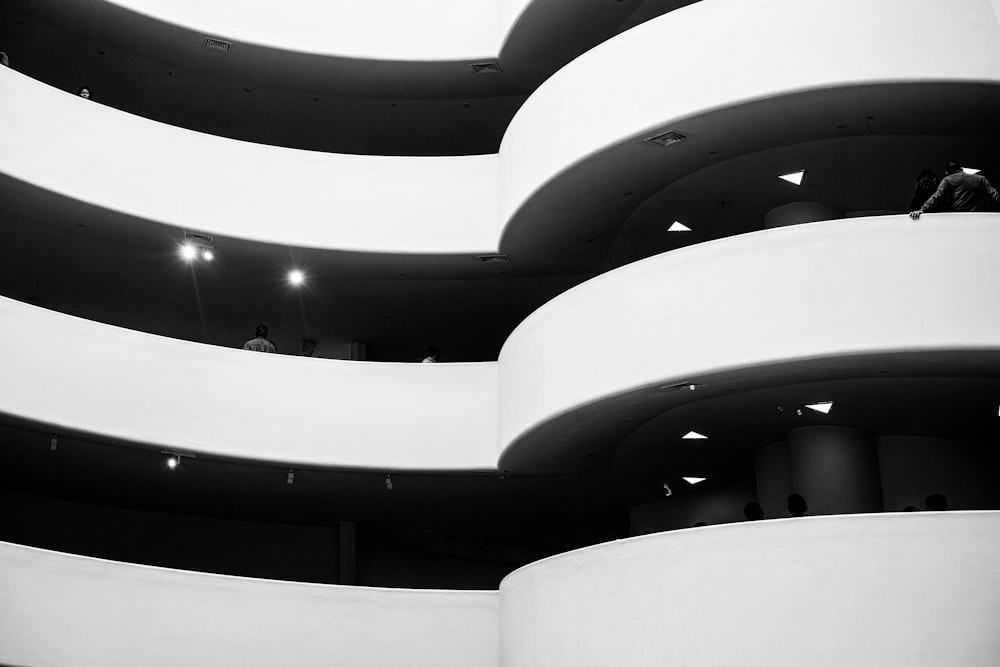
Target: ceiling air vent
point(493, 259)
point(197, 238)
point(217, 44)
point(484, 68)
point(666, 138)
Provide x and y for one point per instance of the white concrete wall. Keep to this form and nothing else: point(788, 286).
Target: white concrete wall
point(611, 94)
point(58, 610)
point(915, 589)
point(379, 30)
point(95, 378)
point(864, 285)
point(102, 156)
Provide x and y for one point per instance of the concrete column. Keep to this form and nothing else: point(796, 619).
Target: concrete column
point(774, 479)
point(836, 469)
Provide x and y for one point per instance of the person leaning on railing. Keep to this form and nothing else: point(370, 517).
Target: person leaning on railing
point(959, 191)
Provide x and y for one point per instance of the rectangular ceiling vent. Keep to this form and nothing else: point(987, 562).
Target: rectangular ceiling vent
point(198, 238)
point(217, 44)
point(666, 138)
point(493, 259)
point(485, 68)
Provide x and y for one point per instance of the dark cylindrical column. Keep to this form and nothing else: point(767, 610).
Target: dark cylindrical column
point(774, 479)
point(836, 469)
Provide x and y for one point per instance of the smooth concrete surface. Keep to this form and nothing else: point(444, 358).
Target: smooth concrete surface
point(610, 95)
point(59, 610)
point(382, 30)
point(915, 589)
point(93, 378)
point(198, 182)
point(864, 286)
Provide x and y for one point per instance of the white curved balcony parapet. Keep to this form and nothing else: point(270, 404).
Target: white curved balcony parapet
point(889, 589)
point(672, 71)
point(177, 177)
point(60, 609)
point(749, 309)
point(606, 98)
point(384, 30)
point(92, 378)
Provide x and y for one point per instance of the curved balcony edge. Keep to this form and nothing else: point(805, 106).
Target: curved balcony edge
point(61, 609)
point(886, 589)
point(97, 379)
point(743, 311)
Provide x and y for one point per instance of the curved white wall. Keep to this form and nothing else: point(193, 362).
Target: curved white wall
point(721, 53)
point(58, 610)
point(461, 204)
point(860, 286)
point(99, 379)
point(379, 30)
point(822, 290)
point(891, 589)
point(178, 177)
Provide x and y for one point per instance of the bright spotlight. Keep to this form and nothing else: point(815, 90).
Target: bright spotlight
point(173, 462)
point(296, 277)
point(970, 170)
point(694, 480)
point(207, 255)
point(189, 252)
point(823, 407)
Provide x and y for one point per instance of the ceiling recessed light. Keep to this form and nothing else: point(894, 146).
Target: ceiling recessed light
point(970, 170)
point(296, 277)
point(823, 406)
point(694, 480)
point(678, 226)
point(694, 435)
point(173, 462)
point(188, 251)
point(207, 254)
point(794, 178)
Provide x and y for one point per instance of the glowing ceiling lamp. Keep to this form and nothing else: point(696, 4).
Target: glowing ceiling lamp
point(694, 435)
point(188, 252)
point(694, 480)
point(296, 277)
point(970, 170)
point(823, 406)
point(795, 178)
point(678, 226)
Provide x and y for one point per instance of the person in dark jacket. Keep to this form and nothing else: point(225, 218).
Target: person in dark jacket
point(959, 191)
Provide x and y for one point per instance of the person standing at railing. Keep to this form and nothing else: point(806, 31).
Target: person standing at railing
point(959, 191)
point(260, 343)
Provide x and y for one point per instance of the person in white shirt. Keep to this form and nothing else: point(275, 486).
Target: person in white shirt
point(260, 343)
